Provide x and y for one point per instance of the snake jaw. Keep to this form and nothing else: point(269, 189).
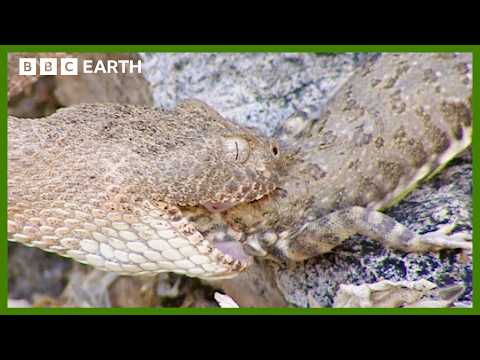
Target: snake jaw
point(234, 250)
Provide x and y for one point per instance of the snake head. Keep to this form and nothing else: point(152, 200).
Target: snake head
point(230, 164)
point(248, 166)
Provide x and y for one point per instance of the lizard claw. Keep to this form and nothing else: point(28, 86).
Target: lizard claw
point(441, 239)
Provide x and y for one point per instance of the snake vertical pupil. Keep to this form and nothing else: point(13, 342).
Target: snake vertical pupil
point(236, 149)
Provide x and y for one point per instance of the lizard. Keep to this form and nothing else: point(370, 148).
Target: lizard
point(312, 209)
point(398, 121)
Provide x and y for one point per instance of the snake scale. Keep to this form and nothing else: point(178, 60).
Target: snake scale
point(137, 190)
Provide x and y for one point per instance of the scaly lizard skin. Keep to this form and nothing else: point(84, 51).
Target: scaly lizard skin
point(398, 120)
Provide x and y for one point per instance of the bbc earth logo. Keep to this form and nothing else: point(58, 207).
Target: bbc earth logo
point(71, 66)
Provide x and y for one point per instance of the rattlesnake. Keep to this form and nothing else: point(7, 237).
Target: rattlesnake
point(366, 150)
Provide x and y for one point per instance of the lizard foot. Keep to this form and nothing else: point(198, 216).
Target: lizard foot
point(441, 239)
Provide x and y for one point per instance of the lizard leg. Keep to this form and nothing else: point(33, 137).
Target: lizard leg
point(322, 235)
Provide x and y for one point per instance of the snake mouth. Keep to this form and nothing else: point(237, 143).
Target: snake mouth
point(216, 207)
point(233, 249)
point(229, 247)
point(221, 242)
point(221, 206)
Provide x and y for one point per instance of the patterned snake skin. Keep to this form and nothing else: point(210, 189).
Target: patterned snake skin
point(101, 184)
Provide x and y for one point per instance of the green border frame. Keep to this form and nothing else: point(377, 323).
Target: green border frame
point(475, 49)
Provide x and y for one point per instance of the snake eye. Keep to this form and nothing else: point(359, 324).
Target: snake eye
point(236, 149)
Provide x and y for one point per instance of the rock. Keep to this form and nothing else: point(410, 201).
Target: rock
point(225, 301)
point(253, 89)
point(100, 88)
point(385, 293)
point(33, 272)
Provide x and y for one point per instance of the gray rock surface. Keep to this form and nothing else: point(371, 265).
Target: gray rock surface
point(252, 89)
point(261, 90)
